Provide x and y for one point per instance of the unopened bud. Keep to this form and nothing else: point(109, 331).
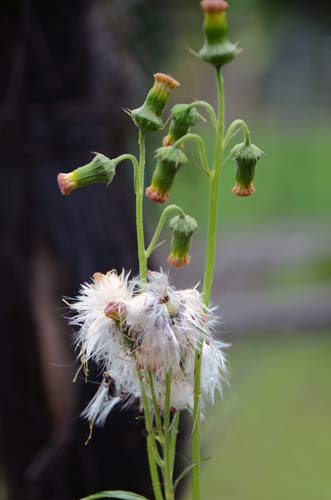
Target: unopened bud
point(149, 116)
point(183, 116)
point(246, 156)
point(217, 49)
point(101, 169)
point(182, 229)
point(169, 161)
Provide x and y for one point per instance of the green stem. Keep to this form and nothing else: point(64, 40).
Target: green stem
point(232, 128)
point(156, 407)
point(168, 484)
point(173, 441)
point(139, 188)
point(207, 285)
point(163, 218)
point(213, 199)
point(209, 108)
point(134, 162)
point(202, 150)
point(151, 443)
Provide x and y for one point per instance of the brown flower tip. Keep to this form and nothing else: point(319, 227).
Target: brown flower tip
point(114, 309)
point(167, 141)
point(154, 195)
point(242, 190)
point(167, 80)
point(214, 5)
point(176, 261)
point(97, 276)
point(66, 185)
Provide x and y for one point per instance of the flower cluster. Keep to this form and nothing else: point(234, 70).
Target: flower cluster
point(132, 328)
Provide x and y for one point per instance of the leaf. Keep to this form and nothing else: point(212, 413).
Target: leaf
point(187, 470)
point(120, 495)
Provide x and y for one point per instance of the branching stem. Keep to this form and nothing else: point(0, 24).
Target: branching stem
point(202, 150)
point(232, 130)
point(209, 108)
point(158, 230)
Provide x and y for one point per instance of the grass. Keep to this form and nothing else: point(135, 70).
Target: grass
point(271, 438)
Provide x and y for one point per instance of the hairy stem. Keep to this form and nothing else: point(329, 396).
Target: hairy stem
point(163, 218)
point(152, 451)
point(202, 150)
point(134, 162)
point(169, 489)
point(207, 284)
point(209, 108)
point(232, 129)
point(139, 188)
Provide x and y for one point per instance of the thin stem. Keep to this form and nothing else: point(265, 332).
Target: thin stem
point(163, 218)
point(173, 441)
point(134, 162)
point(209, 108)
point(139, 187)
point(231, 131)
point(151, 443)
point(156, 406)
point(207, 285)
point(169, 491)
point(213, 200)
point(202, 150)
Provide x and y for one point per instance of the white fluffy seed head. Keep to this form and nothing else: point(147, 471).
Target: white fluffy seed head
point(157, 329)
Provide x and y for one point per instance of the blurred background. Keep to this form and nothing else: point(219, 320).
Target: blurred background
point(69, 69)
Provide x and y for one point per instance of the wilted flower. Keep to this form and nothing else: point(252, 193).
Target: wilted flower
point(156, 329)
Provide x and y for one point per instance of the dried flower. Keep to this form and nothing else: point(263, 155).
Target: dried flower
point(159, 329)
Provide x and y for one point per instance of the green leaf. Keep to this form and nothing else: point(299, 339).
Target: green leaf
point(187, 470)
point(120, 495)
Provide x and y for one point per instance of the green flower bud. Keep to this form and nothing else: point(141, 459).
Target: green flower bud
point(246, 156)
point(183, 116)
point(100, 169)
point(169, 161)
point(149, 116)
point(217, 49)
point(182, 229)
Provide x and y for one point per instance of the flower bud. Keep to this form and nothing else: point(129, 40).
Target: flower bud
point(182, 229)
point(101, 169)
point(217, 49)
point(246, 156)
point(149, 116)
point(169, 161)
point(183, 116)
